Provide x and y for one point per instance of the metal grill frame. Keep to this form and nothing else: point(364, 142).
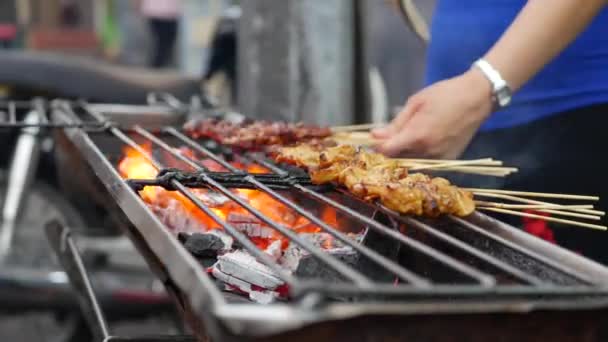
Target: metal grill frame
point(205, 304)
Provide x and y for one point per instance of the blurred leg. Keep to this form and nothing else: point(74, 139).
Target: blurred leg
point(165, 34)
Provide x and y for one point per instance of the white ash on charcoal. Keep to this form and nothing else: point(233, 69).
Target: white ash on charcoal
point(177, 218)
point(301, 263)
point(234, 284)
point(240, 272)
point(249, 225)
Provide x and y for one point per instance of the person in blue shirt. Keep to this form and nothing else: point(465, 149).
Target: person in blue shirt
point(553, 56)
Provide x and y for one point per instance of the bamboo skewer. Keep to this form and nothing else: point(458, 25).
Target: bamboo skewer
point(551, 219)
point(531, 206)
point(479, 162)
point(534, 194)
point(555, 211)
point(525, 200)
point(570, 214)
point(451, 164)
point(490, 161)
point(359, 127)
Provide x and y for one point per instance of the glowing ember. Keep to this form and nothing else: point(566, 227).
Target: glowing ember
point(171, 205)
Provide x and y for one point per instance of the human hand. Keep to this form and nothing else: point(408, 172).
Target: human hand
point(440, 120)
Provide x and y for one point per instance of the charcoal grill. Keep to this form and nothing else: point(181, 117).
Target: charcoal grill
point(471, 278)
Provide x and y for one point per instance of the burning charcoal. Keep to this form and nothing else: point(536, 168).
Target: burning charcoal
point(204, 245)
point(174, 216)
point(245, 267)
point(302, 263)
point(249, 225)
point(212, 198)
point(226, 239)
point(236, 218)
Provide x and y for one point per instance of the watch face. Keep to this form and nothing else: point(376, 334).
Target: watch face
point(504, 98)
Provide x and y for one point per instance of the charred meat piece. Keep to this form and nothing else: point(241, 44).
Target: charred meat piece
point(254, 134)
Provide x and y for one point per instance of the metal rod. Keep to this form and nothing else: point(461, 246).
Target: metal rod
point(513, 271)
point(148, 156)
point(63, 244)
point(482, 278)
point(12, 113)
point(455, 291)
point(48, 125)
point(329, 260)
point(557, 266)
point(21, 175)
point(499, 264)
point(197, 147)
point(40, 106)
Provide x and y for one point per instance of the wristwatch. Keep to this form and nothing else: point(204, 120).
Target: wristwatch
point(501, 92)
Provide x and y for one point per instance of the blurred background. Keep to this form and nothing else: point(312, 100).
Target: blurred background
point(260, 56)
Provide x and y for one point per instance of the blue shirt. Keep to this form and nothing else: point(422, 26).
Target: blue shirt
point(464, 30)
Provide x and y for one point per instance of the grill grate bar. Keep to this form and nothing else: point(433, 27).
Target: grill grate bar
point(456, 291)
point(41, 107)
point(12, 113)
point(484, 279)
point(197, 147)
point(558, 266)
point(379, 259)
point(503, 266)
point(329, 260)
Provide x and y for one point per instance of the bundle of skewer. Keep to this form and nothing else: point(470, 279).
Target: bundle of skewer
point(579, 210)
point(374, 177)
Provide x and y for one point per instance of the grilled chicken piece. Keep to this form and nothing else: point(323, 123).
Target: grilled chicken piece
point(422, 195)
point(372, 176)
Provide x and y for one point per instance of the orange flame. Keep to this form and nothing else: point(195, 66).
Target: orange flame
point(134, 165)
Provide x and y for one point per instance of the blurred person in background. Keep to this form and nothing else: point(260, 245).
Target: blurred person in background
point(163, 19)
point(553, 58)
point(8, 24)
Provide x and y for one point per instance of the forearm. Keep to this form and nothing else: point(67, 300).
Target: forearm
point(540, 32)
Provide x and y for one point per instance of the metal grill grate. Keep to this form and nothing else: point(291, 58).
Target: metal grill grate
point(477, 250)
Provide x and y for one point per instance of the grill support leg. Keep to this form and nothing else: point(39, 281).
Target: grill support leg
point(63, 245)
point(21, 174)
